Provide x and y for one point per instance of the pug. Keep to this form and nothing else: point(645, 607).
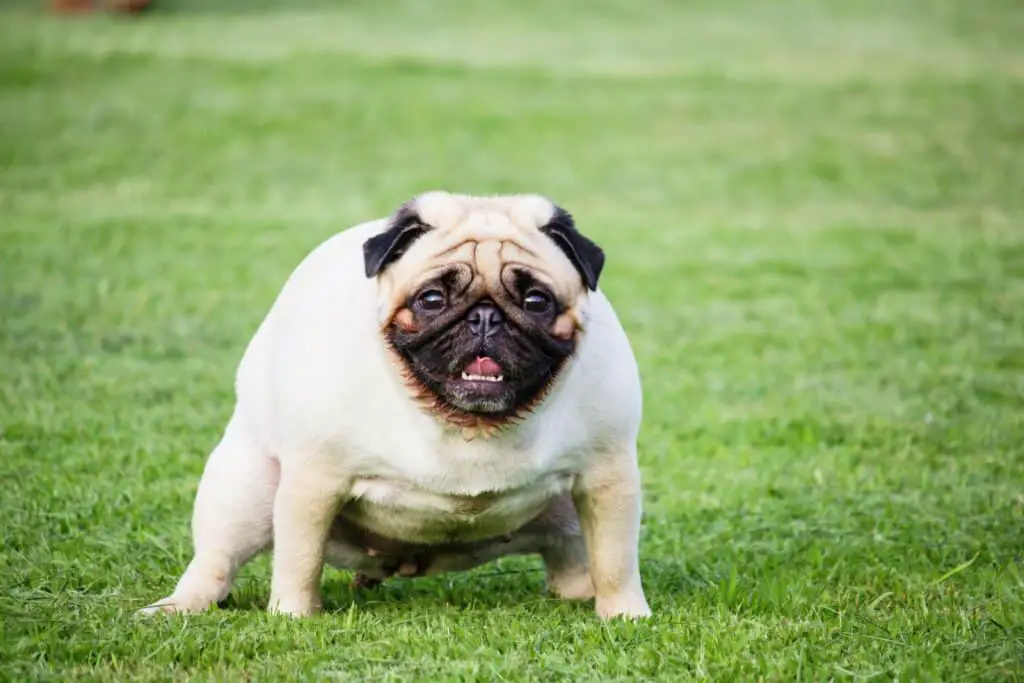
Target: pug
point(429, 392)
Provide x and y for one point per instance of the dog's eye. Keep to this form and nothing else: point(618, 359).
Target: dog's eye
point(536, 301)
point(432, 300)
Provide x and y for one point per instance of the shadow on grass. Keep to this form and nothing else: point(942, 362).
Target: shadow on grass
point(490, 586)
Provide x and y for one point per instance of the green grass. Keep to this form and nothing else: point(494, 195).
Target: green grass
point(814, 214)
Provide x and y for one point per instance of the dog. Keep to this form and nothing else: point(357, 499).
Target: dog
point(429, 392)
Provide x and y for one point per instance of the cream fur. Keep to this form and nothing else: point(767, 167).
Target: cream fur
point(323, 418)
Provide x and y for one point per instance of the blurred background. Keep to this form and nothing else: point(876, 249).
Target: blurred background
point(813, 217)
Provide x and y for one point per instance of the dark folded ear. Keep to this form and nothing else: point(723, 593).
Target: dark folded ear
point(381, 250)
point(584, 254)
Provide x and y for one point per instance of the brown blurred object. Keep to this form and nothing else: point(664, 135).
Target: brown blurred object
point(130, 6)
point(77, 6)
point(71, 6)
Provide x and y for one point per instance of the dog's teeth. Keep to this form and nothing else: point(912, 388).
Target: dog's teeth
point(482, 378)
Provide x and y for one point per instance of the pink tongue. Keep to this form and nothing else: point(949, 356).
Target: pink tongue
point(483, 366)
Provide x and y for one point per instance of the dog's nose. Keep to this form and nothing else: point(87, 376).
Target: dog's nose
point(484, 319)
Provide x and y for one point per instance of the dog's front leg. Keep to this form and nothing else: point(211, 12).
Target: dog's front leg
point(307, 500)
point(607, 497)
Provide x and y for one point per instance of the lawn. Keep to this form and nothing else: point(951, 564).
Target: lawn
point(814, 216)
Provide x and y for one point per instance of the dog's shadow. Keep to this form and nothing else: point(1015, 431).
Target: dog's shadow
point(515, 582)
point(487, 587)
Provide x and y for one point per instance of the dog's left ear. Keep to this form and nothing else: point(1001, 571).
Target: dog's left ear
point(584, 254)
point(381, 250)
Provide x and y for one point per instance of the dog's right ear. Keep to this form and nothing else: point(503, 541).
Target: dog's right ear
point(381, 250)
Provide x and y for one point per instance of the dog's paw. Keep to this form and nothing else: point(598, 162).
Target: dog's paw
point(574, 586)
point(172, 605)
point(157, 608)
point(625, 605)
point(294, 605)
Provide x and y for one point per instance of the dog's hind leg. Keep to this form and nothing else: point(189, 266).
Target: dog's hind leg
point(231, 521)
point(566, 563)
point(564, 552)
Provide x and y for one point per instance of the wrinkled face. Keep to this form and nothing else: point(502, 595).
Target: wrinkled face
point(483, 299)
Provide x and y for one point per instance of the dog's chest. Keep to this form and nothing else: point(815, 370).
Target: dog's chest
point(458, 493)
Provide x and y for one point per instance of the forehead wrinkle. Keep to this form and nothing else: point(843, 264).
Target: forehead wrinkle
point(447, 249)
point(546, 263)
point(408, 275)
point(511, 245)
point(486, 225)
point(487, 259)
point(491, 239)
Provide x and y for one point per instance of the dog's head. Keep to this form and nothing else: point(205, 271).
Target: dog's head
point(482, 299)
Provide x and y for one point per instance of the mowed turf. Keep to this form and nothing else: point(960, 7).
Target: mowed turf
point(814, 220)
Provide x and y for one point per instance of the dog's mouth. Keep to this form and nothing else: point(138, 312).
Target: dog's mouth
point(481, 387)
point(483, 369)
